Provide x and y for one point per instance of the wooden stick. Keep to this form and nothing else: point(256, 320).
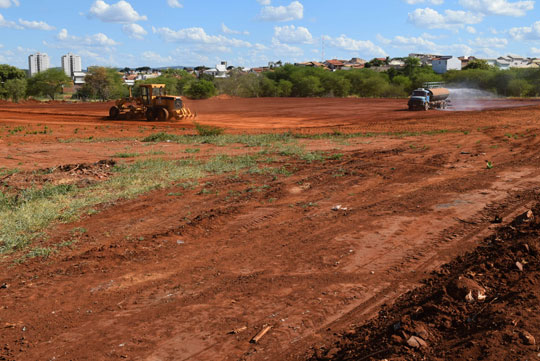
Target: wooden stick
point(238, 330)
point(260, 335)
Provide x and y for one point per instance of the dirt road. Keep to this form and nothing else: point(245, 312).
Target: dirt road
point(166, 277)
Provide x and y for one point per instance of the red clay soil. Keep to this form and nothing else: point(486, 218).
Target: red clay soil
point(169, 275)
point(482, 306)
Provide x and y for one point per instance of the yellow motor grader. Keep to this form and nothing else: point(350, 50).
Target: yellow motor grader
point(154, 104)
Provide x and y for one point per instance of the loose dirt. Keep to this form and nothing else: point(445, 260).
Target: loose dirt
point(481, 306)
point(169, 275)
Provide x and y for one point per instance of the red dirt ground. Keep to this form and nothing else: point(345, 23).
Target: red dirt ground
point(275, 253)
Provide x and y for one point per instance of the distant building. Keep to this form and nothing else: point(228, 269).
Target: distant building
point(425, 59)
point(334, 64)
point(444, 63)
point(71, 64)
point(397, 63)
point(38, 62)
point(78, 79)
point(220, 71)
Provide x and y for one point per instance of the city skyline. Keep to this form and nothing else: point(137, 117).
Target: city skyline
point(185, 33)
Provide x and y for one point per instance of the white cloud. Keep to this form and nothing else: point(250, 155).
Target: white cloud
point(527, 32)
point(535, 51)
point(38, 25)
point(434, 2)
point(226, 30)
point(279, 48)
point(122, 12)
point(498, 7)
point(174, 4)
point(198, 36)
point(264, 2)
point(155, 58)
point(291, 34)
point(134, 31)
point(452, 19)
point(8, 3)
point(489, 43)
point(471, 29)
point(422, 44)
point(99, 39)
point(294, 11)
point(8, 24)
point(363, 46)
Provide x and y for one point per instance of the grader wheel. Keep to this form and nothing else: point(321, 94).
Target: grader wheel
point(114, 112)
point(162, 115)
point(150, 115)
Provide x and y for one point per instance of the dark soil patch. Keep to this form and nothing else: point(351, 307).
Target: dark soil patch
point(449, 319)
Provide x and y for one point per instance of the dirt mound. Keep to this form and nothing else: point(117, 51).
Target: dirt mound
point(480, 306)
point(81, 174)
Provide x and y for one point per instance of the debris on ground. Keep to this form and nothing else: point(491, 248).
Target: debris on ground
point(480, 306)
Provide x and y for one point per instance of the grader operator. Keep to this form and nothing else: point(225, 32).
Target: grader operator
point(154, 104)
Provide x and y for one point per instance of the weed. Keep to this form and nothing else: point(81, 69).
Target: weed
point(39, 252)
point(192, 150)
point(125, 155)
point(207, 130)
point(489, 165)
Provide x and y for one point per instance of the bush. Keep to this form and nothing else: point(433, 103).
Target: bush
point(201, 89)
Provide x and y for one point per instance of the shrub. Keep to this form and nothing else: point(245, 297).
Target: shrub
point(201, 89)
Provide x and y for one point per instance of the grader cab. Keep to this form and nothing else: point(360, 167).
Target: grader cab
point(153, 104)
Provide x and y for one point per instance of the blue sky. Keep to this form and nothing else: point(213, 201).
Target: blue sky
point(252, 32)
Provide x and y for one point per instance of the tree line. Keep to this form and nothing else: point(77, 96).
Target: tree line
point(286, 81)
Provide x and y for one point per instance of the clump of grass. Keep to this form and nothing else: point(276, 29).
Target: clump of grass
point(208, 130)
point(161, 137)
point(125, 155)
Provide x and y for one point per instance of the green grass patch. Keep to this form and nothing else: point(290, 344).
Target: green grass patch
point(125, 155)
point(207, 130)
point(25, 216)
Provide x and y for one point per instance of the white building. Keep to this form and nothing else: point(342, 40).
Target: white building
point(444, 63)
point(220, 71)
point(71, 64)
point(38, 62)
point(78, 79)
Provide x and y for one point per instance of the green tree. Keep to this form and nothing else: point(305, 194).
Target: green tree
point(8, 73)
point(411, 65)
point(48, 83)
point(404, 82)
point(308, 86)
point(478, 64)
point(520, 88)
point(15, 89)
point(201, 89)
point(285, 88)
point(104, 84)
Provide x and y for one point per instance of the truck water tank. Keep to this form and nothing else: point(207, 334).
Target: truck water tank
point(438, 94)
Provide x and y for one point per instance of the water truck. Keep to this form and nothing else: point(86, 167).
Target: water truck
point(430, 96)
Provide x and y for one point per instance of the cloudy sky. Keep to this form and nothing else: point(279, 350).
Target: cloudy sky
point(252, 32)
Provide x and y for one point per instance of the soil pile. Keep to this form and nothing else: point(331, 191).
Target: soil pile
point(482, 306)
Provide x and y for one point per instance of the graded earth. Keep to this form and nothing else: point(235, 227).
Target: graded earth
point(351, 204)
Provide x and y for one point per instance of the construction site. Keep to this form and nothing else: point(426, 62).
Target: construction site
point(270, 229)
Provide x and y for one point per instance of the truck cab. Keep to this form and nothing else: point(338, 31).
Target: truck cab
point(419, 99)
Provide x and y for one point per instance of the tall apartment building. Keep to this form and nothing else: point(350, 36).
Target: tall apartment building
point(71, 64)
point(38, 62)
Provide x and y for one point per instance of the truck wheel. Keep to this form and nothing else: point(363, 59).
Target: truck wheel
point(426, 106)
point(150, 116)
point(114, 112)
point(162, 115)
